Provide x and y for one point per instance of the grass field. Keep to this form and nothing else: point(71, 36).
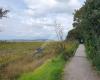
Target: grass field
point(15, 50)
point(52, 69)
point(19, 58)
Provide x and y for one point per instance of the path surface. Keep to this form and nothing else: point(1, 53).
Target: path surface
point(79, 68)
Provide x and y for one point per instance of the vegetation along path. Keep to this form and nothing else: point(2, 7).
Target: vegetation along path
point(79, 68)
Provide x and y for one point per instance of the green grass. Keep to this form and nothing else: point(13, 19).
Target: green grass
point(50, 70)
point(53, 68)
point(21, 63)
point(14, 55)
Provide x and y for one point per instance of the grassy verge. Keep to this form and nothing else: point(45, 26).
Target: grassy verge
point(51, 69)
point(48, 71)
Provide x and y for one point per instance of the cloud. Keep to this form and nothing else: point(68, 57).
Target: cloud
point(40, 8)
point(35, 18)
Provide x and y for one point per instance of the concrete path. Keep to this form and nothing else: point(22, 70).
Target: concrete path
point(79, 68)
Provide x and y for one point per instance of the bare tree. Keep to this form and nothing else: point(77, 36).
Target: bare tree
point(60, 35)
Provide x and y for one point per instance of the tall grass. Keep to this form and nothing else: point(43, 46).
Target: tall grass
point(14, 55)
point(52, 69)
point(19, 57)
point(15, 50)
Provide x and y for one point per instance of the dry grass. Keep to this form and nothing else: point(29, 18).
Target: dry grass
point(52, 69)
point(19, 58)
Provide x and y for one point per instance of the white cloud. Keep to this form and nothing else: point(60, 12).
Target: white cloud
point(45, 7)
point(40, 4)
point(37, 18)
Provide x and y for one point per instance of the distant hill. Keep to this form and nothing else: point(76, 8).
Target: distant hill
point(23, 40)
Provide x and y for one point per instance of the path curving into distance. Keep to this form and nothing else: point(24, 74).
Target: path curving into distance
point(79, 68)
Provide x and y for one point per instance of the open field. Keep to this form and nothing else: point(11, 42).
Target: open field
point(52, 69)
point(18, 58)
point(10, 51)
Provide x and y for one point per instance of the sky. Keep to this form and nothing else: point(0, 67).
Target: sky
point(35, 19)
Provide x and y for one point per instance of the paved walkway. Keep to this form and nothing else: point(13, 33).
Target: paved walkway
point(79, 68)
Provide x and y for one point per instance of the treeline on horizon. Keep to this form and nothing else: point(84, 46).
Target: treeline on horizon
point(87, 27)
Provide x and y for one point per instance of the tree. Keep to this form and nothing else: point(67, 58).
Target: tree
point(61, 42)
point(87, 24)
point(3, 13)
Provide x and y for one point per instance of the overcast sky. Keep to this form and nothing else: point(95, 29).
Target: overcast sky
point(34, 19)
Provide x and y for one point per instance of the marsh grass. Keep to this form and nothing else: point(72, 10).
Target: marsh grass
point(18, 59)
point(52, 69)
